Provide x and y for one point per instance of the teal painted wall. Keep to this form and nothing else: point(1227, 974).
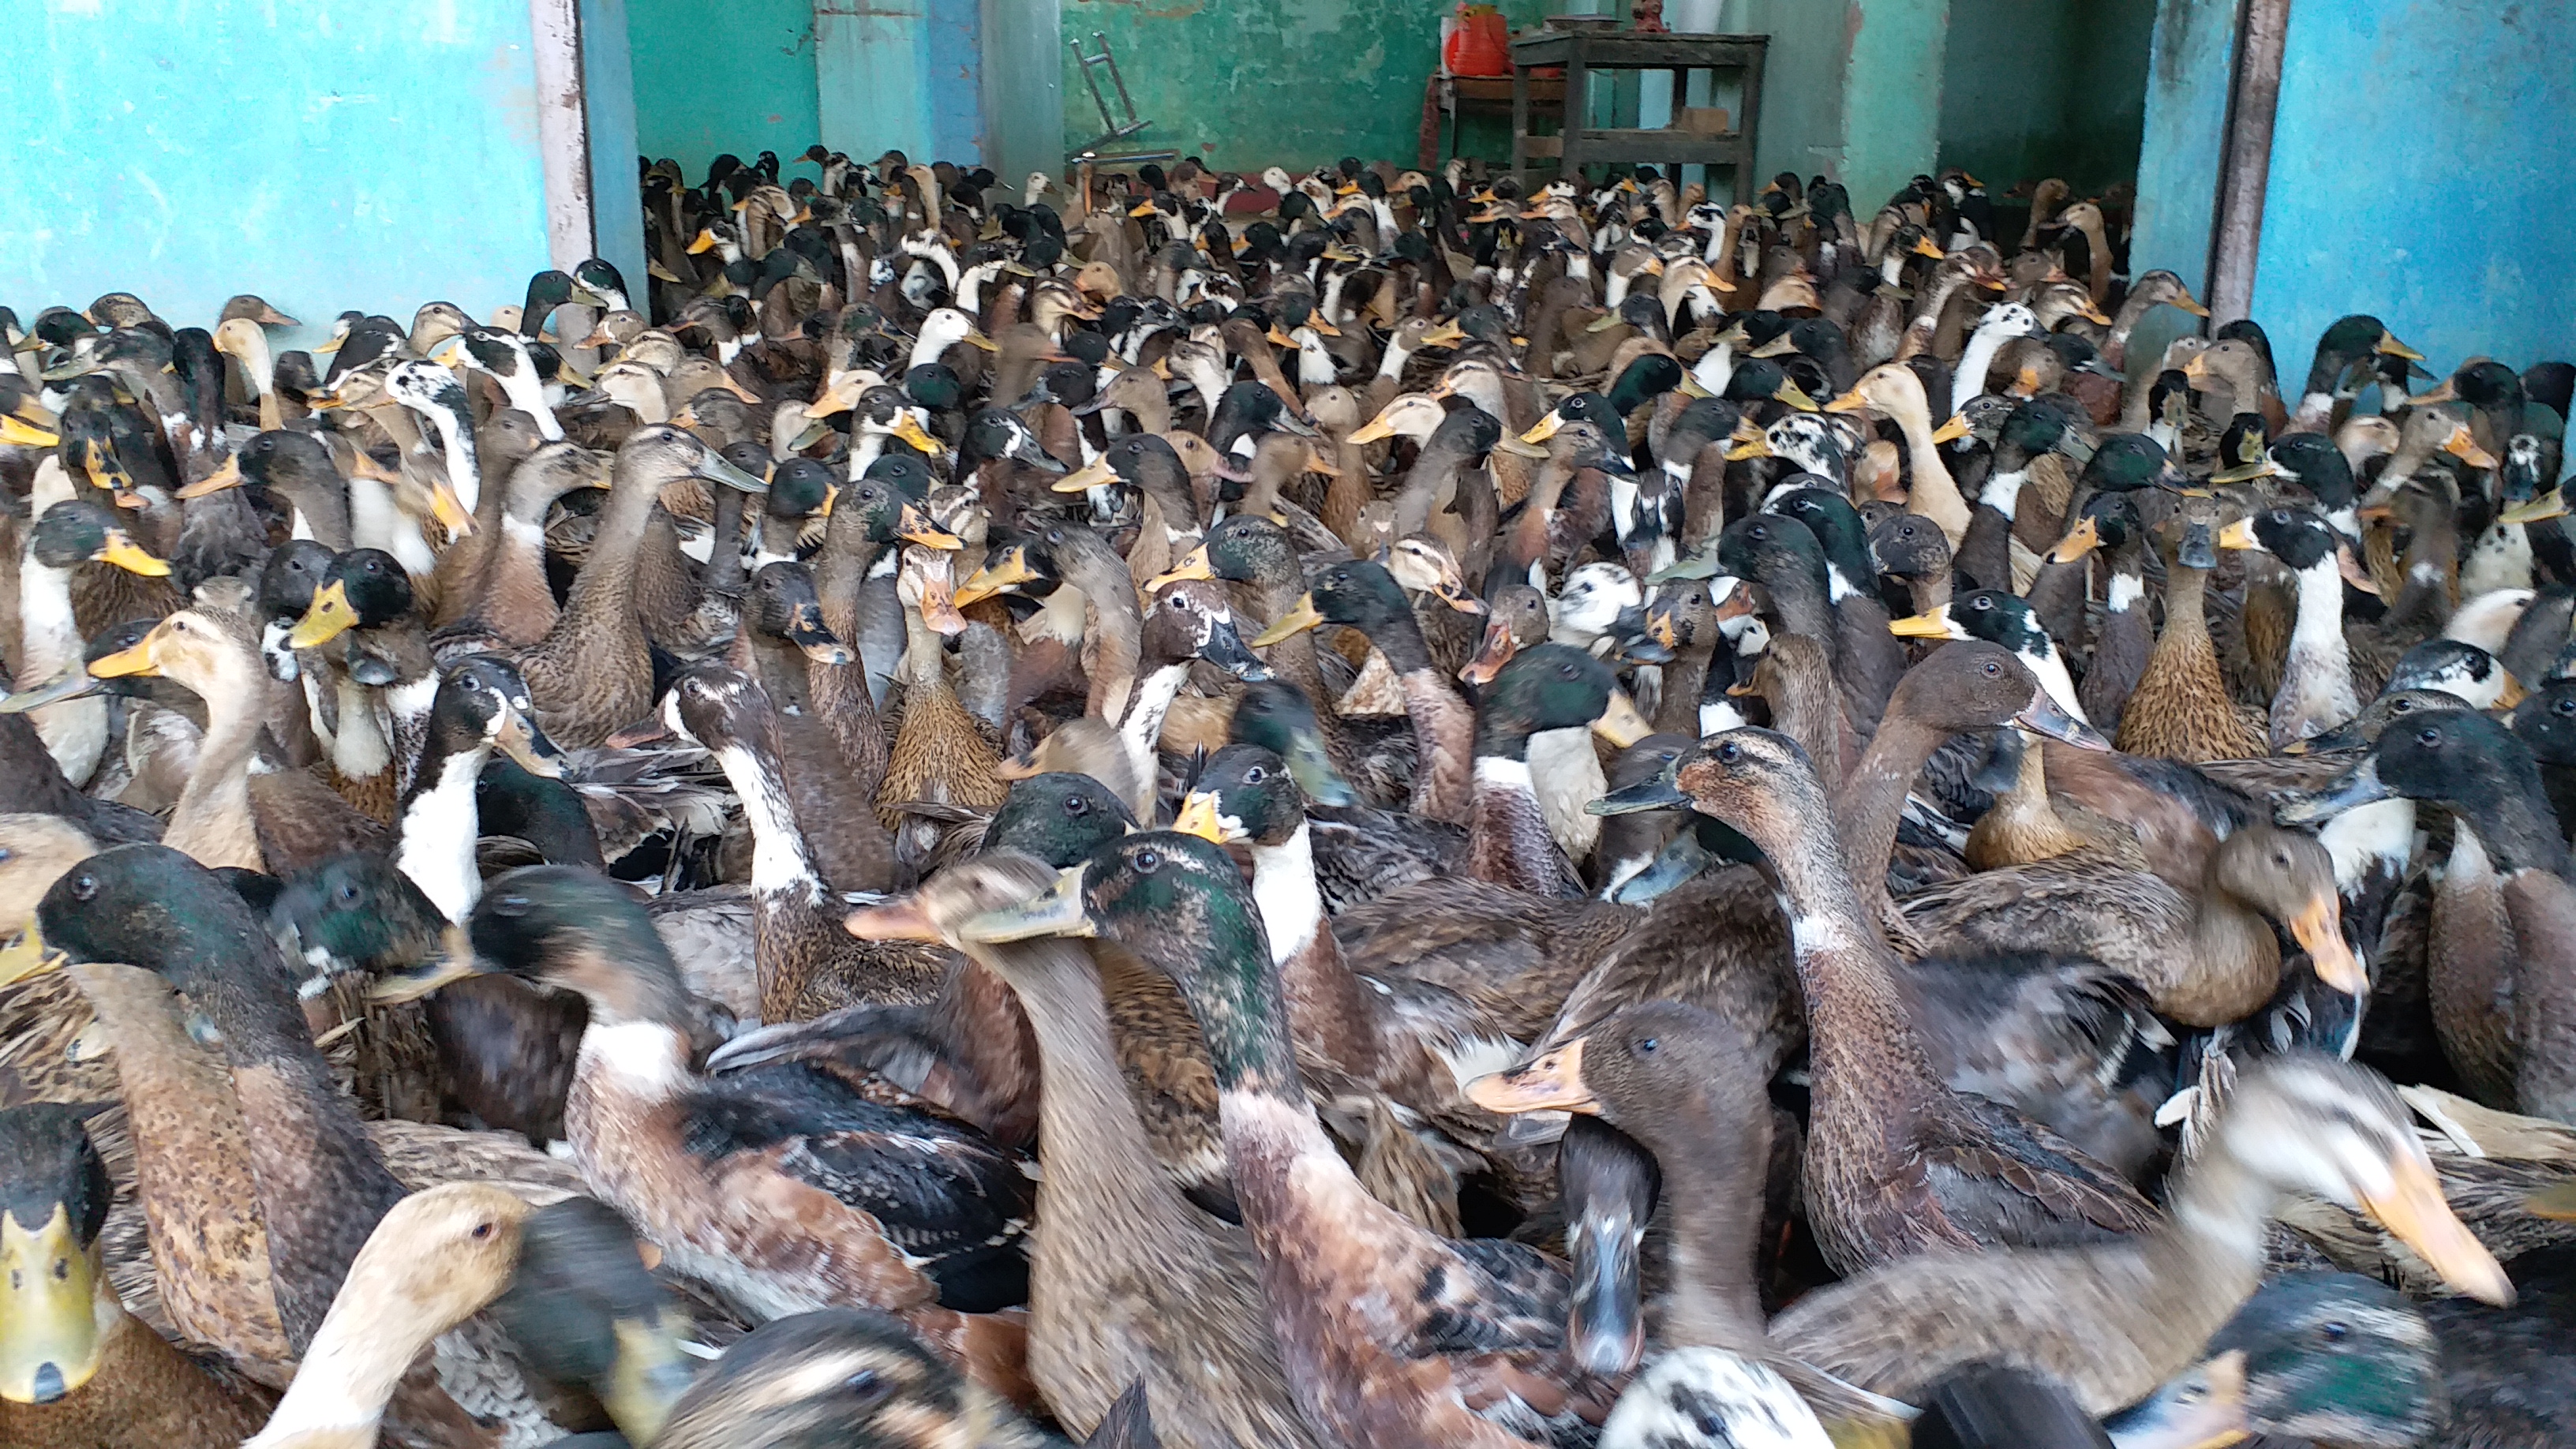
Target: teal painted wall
point(323, 155)
point(1891, 95)
point(2419, 165)
point(2037, 88)
point(713, 76)
point(1241, 84)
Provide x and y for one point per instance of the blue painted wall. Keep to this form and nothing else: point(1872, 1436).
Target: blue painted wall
point(608, 84)
point(2190, 59)
point(2419, 170)
point(713, 76)
point(323, 155)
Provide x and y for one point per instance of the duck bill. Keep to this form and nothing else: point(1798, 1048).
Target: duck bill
point(1850, 402)
point(2239, 535)
point(126, 554)
point(897, 920)
point(2510, 693)
point(1193, 565)
point(140, 658)
point(1095, 474)
point(1059, 911)
point(1620, 722)
point(647, 1377)
point(2198, 549)
point(1756, 446)
point(227, 476)
point(817, 643)
point(1447, 334)
point(450, 511)
point(1551, 1082)
point(2549, 505)
point(2355, 788)
point(2202, 1409)
point(1933, 625)
point(327, 619)
point(1452, 589)
point(1226, 650)
point(71, 684)
point(2319, 931)
point(939, 602)
point(1796, 397)
point(2190, 304)
point(1311, 766)
point(1200, 817)
point(527, 746)
point(909, 428)
point(25, 434)
point(411, 983)
point(1008, 571)
point(2246, 472)
point(1953, 430)
point(1605, 1319)
point(49, 1339)
point(1545, 428)
point(2412, 1208)
point(1645, 795)
point(1301, 616)
point(837, 397)
point(2389, 346)
point(2043, 716)
point(914, 526)
point(2079, 541)
point(24, 955)
point(2464, 447)
point(1492, 653)
point(1372, 430)
point(1679, 862)
point(714, 469)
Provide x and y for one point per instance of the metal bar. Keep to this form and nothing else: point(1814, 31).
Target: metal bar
point(2246, 173)
point(1091, 78)
point(1109, 58)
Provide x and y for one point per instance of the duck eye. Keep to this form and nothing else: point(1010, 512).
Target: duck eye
point(2336, 1332)
point(1255, 775)
point(1730, 753)
point(1148, 861)
point(84, 887)
point(1647, 1046)
point(866, 1384)
point(1567, 671)
point(482, 1230)
point(2404, 706)
point(349, 892)
point(1076, 805)
point(1981, 601)
point(2429, 737)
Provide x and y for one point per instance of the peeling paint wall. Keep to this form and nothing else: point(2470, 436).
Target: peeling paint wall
point(717, 76)
point(323, 155)
point(2419, 169)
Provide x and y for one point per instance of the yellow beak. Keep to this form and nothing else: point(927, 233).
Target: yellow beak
point(2239, 534)
point(327, 618)
point(49, 1341)
point(1095, 474)
point(227, 476)
point(25, 434)
point(909, 428)
point(999, 574)
point(1620, 723)
point(2412, 1208)
point(1199, 817)
point(1300, 617)
point(2464, 447)
point(1953, 430)
point(1545, 428)
point(24, 954)
point(2319, 932)
point(2389, 344)
point(1193, 565)
point(2080, 540)
point(1796, 396)
point(1934, 625)
point(126, 554)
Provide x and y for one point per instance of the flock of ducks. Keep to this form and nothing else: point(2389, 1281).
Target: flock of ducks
point(1352, 809)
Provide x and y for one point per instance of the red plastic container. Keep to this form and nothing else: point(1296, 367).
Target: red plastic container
point(1480, 44)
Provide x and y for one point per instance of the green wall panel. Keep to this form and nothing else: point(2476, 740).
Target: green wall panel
point(713, 76)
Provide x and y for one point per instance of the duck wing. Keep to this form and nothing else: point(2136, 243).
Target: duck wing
point(951, 1202)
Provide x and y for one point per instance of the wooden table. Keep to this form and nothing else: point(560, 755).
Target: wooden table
point(1584, 51)
point(1452, 96)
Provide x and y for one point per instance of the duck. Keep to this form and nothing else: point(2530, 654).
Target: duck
point(702, 1165)
point(2496, 907)
point(1359, 1361)
point(1881, 1107)
point(2121, 1318)
point(848, 1377)
point(76, 1368)
point(1129, 1283)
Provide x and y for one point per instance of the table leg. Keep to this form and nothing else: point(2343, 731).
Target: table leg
point(1578, 113)
point(1520, 125)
